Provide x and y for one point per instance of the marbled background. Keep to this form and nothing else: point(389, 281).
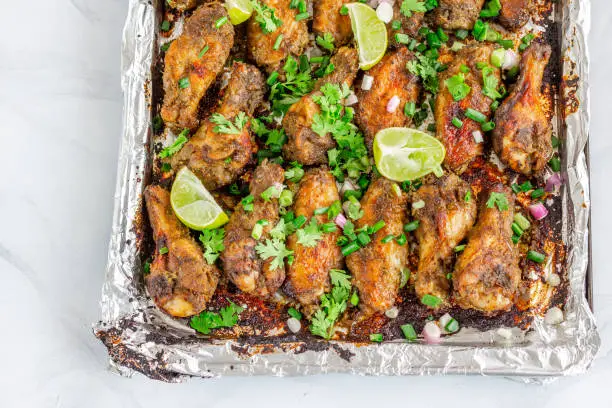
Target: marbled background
point(60, 124)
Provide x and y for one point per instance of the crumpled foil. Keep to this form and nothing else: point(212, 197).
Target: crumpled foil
point(141, 338)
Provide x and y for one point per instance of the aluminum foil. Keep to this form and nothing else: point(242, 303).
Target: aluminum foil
point(141, 338)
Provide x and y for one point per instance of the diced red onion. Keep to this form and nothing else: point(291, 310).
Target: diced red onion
point(393, 104)
point(538, 211)
point(340, 220)
point(351, 99)
point(553, 182)
point(432, 333)
point(511, 60)
point(384, 12)
point(366, 82)
point(477, 136)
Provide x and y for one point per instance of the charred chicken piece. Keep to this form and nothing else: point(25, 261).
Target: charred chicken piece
point(188, 75)
point(308, 275)
point(409, 25)
point(241, 263)
point(303, 144)
point(377, 267)
point(448, 215)
point(457, 14)
point(183, 4)
point(327, 19)
point(487, 274)
point(522, 135)
point(461, 147)
point(391, 78)
point(514, 14)
point(261, 44)
point(218, 158)
point(180, 282)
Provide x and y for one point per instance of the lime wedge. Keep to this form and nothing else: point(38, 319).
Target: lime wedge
point(370, 33)
point(239, 10)
point(193, 204)
point(406, 154)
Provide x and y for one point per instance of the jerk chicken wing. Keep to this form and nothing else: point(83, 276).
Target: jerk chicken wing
point(514, 14)
point(487, 274)
point(218, 158)
point(308, 275)
point(448, 215)
point(180, 281)
point(522, 135)
point(303, 144)
point(241, 263)
point(461, 147)
point(391, 78)
point(457, 14)
point(187, 73)
point(261, 44)
point(327, 19)
point(377, 267)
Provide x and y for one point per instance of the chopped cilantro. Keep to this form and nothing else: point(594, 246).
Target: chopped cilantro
point(206, 321)
point(491, 9)
point(408, 6)
point(212, 240)
point(273, 248)
point(333, 304)
point(427, 69)
point(457, 87)
point(226, 126)
point(499, 200)
point(176, 146)
point(264, 15)
point(326, 41)
point(490, 83)
point(309, 235)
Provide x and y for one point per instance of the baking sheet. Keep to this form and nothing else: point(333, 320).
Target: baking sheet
point(140, 337)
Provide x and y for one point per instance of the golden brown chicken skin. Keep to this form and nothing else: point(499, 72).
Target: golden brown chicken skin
point(408, 25)
point(445, 219)
point(218, 158)
point(187, 72)
point(183, 4)
point(457, 14)
point(308, 275)
point(522, 135)
point(180, 281)
point(261, 45)
point(241, 263)
point(487, 274)
point(327, 19)
point(303, 144)
point(514, 14)
point(461, 147)
point(391, 78)
point(377, 267)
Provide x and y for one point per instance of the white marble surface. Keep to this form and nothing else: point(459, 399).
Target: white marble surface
point(60, 121)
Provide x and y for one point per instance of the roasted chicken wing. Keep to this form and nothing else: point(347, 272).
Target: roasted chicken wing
point(183, 4)
point(408, 25)
point(188, 70)
point(218, 157)
point(461, 146)
point(514, 14)
point(303, 144)
point(377, 267)
point(180, 281)
point(445, 219)
point(457, 14)
point(241, 263)
point(327, 19)
point(522, 135)
point(391, 79)
point(308, 275)
point(261, 45)
point(487, 274)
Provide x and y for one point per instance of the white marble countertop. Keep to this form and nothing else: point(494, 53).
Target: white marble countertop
point(60, 124)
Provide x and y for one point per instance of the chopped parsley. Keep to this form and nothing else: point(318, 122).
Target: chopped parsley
point(457, 87)
point(226, 126)
point(326, 41)
point(298, 82)
point(206, 321)
point(499, 200)
point(264, 15)
point(274, 139)
point(176, 146)
point(333, 304)
point(212, 240)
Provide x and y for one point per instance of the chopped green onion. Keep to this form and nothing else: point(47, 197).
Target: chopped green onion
point(555, 164)
point(461, 34)
point(278, 41)
point(515, 239)
point(452, 326)
point(354, 299)
point(464, 68)
point(299, 221)
point(494, 106)
point(459, 248)
point(272, 78)
point(526, 186)
point(293, 312)
point(441, 35)
point(410, 109)
point(204, 50)
point(344, 10)
point(409, 332)
point(302, 16)
point(165, 25)
point(320, 211)
point(184, 83)
point(220, 22)
point(468, 196)
point(507, 44)
point(475, 115)
point(411, 226)
point(401, 240)
point(555, 142)
point(497, 57)
point(301, 6)
point(163, 250)
point(404, 277)
point(377, 226)
point(388, 238)
point(522, 221)
point(396, 25)
point(257, 231)
point(458, 123)
point(431, 300)
point(537, 193)
point(376, 337)
point(350, 248)
point(517, 229)
point(489, 126)
point(286, 198)
point(536, 256)
point(402, 38)
point(417, 205)
point(328, 227)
